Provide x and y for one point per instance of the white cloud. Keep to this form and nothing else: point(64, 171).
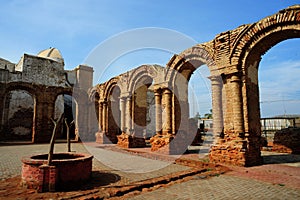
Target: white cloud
point(280, 88)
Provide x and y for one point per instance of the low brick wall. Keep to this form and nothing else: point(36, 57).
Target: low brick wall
point(66, 169)
point(287, 141)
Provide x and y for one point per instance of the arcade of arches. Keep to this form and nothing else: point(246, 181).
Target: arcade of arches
point(151, 101)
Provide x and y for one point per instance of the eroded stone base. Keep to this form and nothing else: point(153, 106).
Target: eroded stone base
point(158, 142)
point(101, 138)
point(234, 154)
point(128, 141)
point(224, 154)
point(172, 144)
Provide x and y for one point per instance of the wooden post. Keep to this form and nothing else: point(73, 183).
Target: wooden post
point(68, 134)
point(50, 154)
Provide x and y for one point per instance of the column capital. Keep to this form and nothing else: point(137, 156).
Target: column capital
point(234, 76)
point(100, 101)
point(167, 91)
point(104, 103)
point(157, 91)
point(122, 99)
point(215, 80)
point(125, 94)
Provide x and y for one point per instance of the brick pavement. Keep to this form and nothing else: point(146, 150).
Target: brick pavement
point(246, 183)
point(222, 187)
point(133, 168)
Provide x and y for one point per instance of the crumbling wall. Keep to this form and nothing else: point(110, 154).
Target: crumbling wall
point(287, 141)
point(19, 119)
point(40, 71)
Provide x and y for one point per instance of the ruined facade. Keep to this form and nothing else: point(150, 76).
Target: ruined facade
point(233, 59)
point(31, 95)
point(151, 101)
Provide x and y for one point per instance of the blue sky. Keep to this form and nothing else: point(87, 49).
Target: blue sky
point(77, 27)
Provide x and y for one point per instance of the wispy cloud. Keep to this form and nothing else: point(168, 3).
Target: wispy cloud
point(280, 88)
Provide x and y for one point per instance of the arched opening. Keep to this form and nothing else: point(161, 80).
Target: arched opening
point(18, 115)
point(143, 108)
point(200, 107)
point(186, 103)
point(114, 114)
point(66, 104)
point(270, 83)
point(279, 100)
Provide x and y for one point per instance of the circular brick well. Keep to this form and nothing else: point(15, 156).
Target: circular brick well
point(66, 169)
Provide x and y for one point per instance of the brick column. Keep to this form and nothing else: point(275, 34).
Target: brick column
point(168, 102)
point(132, 111)
point(128, 114)
point(1, 108)
point(158, 111)
point(103, 124)
point(2, 99)
point(216, 86)
point(123, 114)
point(237, 106)
point(104, 117)
point(232, 149)
point(100, 125)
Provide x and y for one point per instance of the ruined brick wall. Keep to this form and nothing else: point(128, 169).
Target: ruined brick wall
point(287, 141)
point(43, 77)
point(41, 71)
point(18, 120)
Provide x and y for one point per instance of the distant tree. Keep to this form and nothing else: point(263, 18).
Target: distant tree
point(208, 115)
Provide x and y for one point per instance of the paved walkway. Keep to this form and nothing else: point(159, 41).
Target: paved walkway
point(273, 181)
point(130, 167)
point(222, 187)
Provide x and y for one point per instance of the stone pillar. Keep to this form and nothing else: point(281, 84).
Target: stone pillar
point(217, 107)
point(132, 111)
point(158, 111)
point(101, 135)
point(123, 114)
point(127, 139)
point(232, 149)
point(44, 112)
point(100, 125)
point(168, 101)
point(104, 117)
point(237, 106)
point(161, 141)
point(128, 114)
point(2, 101)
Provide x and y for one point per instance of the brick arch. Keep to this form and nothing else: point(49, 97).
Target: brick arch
point(256, 39)
point(178, 73)
point(252, 42)
point(94, 91)
point(108, 87)
point(145, 70)
point(30, 88)
point(108, 114)
point(191, 59)
point(139, 89)
point(11, 87)
point(94, 97)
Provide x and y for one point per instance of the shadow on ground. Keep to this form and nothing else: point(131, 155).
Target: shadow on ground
point(281, 158)
point(98, 179)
